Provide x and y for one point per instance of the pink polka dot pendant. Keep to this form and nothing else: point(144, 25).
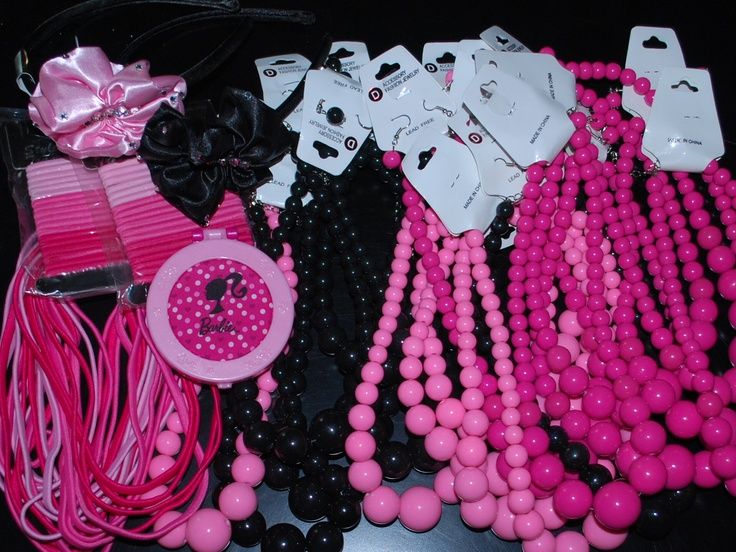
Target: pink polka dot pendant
point(219, 310)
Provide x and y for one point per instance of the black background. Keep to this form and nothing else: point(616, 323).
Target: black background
point(590, 30)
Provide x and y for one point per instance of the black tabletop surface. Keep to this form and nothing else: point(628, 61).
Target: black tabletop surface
point(586, 31)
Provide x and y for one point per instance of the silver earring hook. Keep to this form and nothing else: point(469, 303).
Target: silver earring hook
point(505, 162)
point(401, 129)
point(357, 116)
point(444, 110)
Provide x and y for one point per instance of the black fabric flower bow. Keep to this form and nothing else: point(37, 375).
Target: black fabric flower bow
point(193, 160)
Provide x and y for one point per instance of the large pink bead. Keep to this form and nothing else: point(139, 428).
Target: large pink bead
point(381, 506)
point(176, 538)
point(570, 541)
point(503, 526)
point(648, 474)
point(479, 514)
point(600, 536)
point(420, 509)
point(573, 499)
point(545, 508)
point(238, 501)
point(441, 443)
point(208, 530)
point(168, 443)
point(248, 468)
point(679, 464)
point(545, 542)
point(617, 505)
point(471, 484)
point(547, 471)
point(444, 485)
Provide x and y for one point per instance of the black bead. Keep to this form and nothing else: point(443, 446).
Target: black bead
point(315, 462)
point(291, 445)
point(293, 203)
point(216, 492)
point(250, 531)
point(682, 499)
point(297, 420)
point(382, 429)
point(575, 456)
point(505, 209)
point(301, 341)
point(345, 402)
point(283, 537)
point(223, 465)
point(388, 401)
point(228, 416)
point(595, 476)
point(499, 226)
point(423, 462)
point(557, 438)
point(395, 460)
point(328, 430)
point(656, 519)
point(307, 500)
point(334, 479)
point(349, 358)
point(324, 319)
point(335, 116)
point(493, 243)
point(293, 383)
point(324, 537)
point(227, 443)
point(278, 475)
point(544, 422)
point(333, 63)
point(260, 437)
point(248, 412)
point(344, 513)
point(245, 390)
point(298, 189)
point(331, 340)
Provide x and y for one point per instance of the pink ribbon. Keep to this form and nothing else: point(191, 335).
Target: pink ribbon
point(92, 107)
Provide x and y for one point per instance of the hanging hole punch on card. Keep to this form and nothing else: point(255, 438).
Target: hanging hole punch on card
point(446, 58)
point(386, 70)
point(501, 40)
point(323, 150)
point(397, 134)
point(424, 158)
point(654, 43)
point(683, 85)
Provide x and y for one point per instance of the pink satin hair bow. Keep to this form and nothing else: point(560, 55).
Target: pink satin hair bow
point(92, 107)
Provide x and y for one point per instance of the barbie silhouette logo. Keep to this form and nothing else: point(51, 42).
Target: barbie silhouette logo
point(220, 309)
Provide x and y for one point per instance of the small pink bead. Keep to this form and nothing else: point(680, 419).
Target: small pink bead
point(237, 501)
point(528, 526)
point(381, 506)
point(648, 437)
point(208, 530)
point(723, 462)
point(173, 423)
point(160, 464)
point(601, 537)
point(570, 541)
point(420, 509)
point(545, 542)
point(547, 471)
point(683, 420)
point(365, 476)
point(704, 475)
point(168, 443)
point(391, 159)
point(420, 420)
point(361, 417)
point(521, 502)
point(248, 468)
point(604, 438)
point(545, 508)
point(360, 446)
point(441, 443)
point(175, 538)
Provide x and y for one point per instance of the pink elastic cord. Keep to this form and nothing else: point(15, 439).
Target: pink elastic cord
point(150, 227)
point(73, 219)
point(75, 442)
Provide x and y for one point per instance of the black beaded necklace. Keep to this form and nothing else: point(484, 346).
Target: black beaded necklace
point(319, 232)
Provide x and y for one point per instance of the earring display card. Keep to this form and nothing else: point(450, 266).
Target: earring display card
point(501, 41)
point(542, 71)
point(526, 123)
point(279, 75)
point(683, 132)
point(352, 56)
point(443, 171)
point(332, 132)
point(438, 59)
point(402, 98)
point(464, 70)
point(651, 49)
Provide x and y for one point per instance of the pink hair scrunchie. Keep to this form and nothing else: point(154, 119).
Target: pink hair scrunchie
point(92, 107)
